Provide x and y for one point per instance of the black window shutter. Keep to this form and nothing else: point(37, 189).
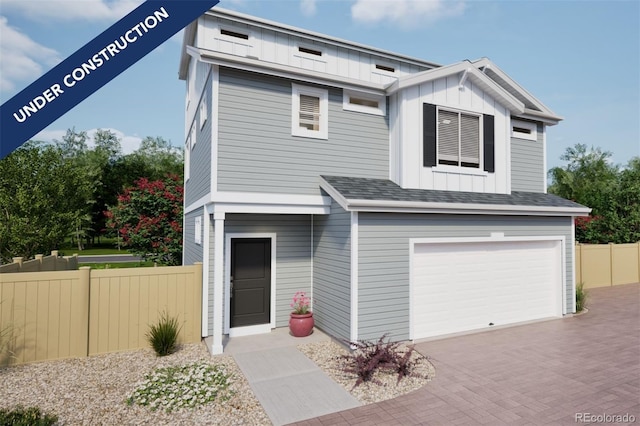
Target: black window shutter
point(489, 144)
point(429, 135)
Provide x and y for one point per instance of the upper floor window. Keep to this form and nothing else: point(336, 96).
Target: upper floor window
point(364, 102)
point(203, 111)
point(524, 130)
point(457, 138)
point(309, 112)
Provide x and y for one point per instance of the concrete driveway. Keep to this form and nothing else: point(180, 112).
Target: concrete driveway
point(576, 370)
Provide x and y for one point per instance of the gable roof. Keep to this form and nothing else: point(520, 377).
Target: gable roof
point(383, 195)
point(466, 70)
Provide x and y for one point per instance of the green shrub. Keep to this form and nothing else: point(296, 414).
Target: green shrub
point(163, 336)
point(173, 388)
point(581, 297)
point(29, 416)
point(369, 357)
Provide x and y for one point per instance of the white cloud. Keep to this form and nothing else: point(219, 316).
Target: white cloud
point(128, 143)
point(308, 7)
point(22, 58)
point(406, 13)
point(70, 10)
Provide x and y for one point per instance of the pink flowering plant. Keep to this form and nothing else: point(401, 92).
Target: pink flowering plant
point(301, 303)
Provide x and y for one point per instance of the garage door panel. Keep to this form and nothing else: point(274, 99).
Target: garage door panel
point(466, 286)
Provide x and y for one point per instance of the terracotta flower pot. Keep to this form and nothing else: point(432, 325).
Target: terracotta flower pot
point(301, 325)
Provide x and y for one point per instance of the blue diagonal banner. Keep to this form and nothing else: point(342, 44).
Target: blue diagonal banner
point(93, 66)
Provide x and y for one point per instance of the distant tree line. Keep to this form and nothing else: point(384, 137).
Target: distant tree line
point(612, 192)
point(50, 192)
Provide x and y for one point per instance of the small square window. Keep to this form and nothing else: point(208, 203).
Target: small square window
point(364, 102)
point(309, 112)
point(524, 130)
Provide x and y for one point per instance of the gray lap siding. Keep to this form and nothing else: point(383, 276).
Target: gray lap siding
point(384, 256)
point(527, 163)
point(192, 252)
point(293, 254)
point(199, 183)
point(332, 272)
point(257, 153)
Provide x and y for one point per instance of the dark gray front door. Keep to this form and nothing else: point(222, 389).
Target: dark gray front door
point(250, 281)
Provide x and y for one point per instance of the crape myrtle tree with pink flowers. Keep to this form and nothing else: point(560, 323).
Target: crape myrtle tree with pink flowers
point(148, 219)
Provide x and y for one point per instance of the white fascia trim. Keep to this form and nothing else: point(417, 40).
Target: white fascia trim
point(204, 200)
point(529, 114)
point(354, 277)
point(427, 207)
point(254, 202)
point(485, 83)
point(286, 71)
point(544, 158)
point(485, 62)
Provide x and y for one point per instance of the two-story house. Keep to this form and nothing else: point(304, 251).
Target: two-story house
point(406, 197)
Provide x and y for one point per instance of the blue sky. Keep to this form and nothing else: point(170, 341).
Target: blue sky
point(580, 58)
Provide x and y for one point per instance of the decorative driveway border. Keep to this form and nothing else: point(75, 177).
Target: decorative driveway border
point(577, 370)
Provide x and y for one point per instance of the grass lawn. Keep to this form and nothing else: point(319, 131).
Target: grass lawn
point(106, 246)
point(118, 265)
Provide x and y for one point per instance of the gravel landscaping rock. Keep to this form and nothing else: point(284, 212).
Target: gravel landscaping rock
point(94, 390)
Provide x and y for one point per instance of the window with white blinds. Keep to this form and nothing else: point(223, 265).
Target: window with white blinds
point(458, 139)
point(309, 112)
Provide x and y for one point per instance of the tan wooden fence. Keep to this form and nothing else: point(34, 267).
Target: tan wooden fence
point(64, 314)
point(604, 265)
point(41, 263)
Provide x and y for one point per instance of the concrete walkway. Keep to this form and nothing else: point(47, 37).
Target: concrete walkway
point(557, 372)
point(289, 385)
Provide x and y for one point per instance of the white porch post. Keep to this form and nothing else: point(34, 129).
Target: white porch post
point(218, 282)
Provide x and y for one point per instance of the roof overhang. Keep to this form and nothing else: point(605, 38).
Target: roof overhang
point(393, 206)
point(255, 65)
point(466, 70)
point(188, 39)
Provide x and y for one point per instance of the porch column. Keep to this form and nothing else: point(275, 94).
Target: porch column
point(206, 267)
point(218, 282)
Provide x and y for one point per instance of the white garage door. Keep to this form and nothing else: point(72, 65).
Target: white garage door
point(467, 286)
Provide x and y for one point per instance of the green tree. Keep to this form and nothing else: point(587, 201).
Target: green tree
point(590, 178)
point(38, 200)
point(156, 158)
point(148, 218)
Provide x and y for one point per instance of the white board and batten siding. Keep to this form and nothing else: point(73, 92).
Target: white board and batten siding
point(407, 138)
point(470, 285)
point(283, 48)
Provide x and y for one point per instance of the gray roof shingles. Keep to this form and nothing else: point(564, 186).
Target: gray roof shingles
point(353, 188)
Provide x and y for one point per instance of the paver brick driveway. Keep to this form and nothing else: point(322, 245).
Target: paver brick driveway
point(542, 373)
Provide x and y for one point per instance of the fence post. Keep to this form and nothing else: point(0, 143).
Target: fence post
point(198, 308)
point(39, 259)
point(85, 284)
point(18, 260)
point(611, 246)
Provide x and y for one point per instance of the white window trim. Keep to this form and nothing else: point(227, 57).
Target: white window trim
point(192, 137)
point(203, 111)
point(233, 39)
point(532, 136)
point(321, 57)
point(461, 168)
point(377, 70)
point(198, 230)
point(187, 158)
point(348, 106)
point(296, 129)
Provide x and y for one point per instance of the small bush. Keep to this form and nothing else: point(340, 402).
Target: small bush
point(29, 416)
point(369, 357)
point(581, 297)
point(173, 388)
point(163, 336)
